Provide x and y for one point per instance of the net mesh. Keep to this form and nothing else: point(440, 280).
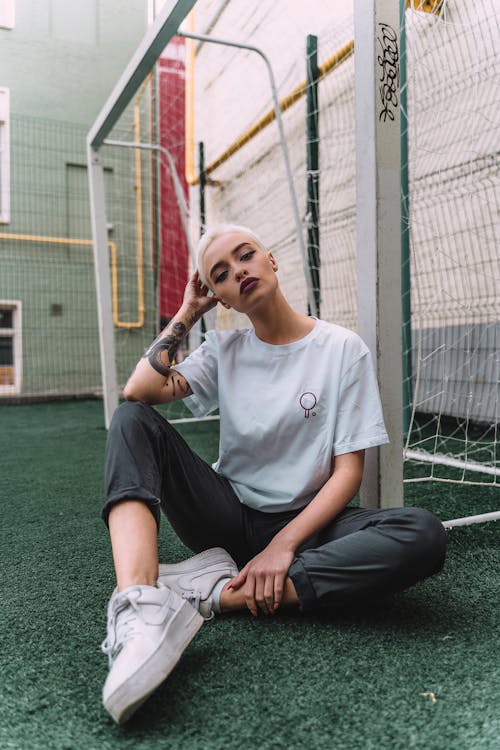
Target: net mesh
point(47, 274)
point(452, 72)
point(452, 90)
point(453, 68)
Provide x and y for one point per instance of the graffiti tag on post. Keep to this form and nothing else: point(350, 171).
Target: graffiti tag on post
point(388, 61)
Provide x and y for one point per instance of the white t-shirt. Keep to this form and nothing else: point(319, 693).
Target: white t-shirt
point(285, 410)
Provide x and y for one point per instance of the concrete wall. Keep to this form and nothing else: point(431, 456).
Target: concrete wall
point(60, 62)
point(62, 58)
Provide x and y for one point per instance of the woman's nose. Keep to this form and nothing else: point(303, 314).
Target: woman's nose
point(240, 273)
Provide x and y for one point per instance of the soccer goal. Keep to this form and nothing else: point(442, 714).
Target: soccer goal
point(452, 351)
point(154, 211)
point(192, 135)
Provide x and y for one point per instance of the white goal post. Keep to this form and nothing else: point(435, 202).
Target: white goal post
point(155, 40)
point(378, 230)
point(363, 213)
point(378, 227)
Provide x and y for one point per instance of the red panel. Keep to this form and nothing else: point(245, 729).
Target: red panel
point(174, 254)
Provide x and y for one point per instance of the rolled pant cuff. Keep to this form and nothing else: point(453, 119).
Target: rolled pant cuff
point(132, 493)
point(303, 586)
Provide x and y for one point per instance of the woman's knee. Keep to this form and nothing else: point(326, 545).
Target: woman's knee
point(130, 412)
point(131, 436)
point(429, 537)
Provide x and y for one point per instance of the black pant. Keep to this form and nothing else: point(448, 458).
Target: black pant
point(360, 555)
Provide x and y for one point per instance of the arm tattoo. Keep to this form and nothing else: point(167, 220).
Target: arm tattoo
point(170, 344)
point(180, 385)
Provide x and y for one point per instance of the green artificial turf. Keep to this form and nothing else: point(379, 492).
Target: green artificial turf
point(334, 680)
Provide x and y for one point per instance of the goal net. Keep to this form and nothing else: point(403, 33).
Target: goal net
point(452, 67)
point(453, 73)
point(452, 338)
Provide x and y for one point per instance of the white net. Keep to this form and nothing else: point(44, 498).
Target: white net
point(452, 70)
point(453, 74)
point(250, 183)
point(453, 198)
point(49, 344)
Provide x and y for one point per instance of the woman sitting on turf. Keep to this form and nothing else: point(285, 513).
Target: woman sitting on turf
point(298, 404)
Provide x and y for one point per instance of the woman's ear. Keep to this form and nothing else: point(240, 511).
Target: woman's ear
point(273, 261)
point(224, 304)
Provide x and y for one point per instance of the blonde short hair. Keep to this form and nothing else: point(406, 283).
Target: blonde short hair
point(211, 234)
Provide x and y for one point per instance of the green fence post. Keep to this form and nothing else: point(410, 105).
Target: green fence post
point(312, 130)
point(203, 182)
point(156, 250)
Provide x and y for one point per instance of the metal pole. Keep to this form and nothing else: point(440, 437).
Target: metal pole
point(279, 121)
point(181, 201)
point(405, 232)
point(103, 284)
point(203, 218)
point(152, 45)
point(195, 335)
point(203, 182)
point(312, 147)
point(378, 215)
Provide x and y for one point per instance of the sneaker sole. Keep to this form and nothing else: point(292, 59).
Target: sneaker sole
point(132, 694)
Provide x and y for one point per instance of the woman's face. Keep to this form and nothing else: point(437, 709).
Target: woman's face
point(239, 272)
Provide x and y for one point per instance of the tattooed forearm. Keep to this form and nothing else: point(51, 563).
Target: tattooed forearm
point(162, 351)
point(179, 384)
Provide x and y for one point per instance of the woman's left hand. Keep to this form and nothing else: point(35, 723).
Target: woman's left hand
point(263, 578)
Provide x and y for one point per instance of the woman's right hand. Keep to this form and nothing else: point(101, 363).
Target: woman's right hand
point(196, 299)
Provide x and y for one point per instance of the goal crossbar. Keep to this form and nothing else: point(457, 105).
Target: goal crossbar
point(154, 42)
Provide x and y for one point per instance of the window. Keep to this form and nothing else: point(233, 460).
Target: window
point(4, 157)
point(10, 347)
point(7, 14)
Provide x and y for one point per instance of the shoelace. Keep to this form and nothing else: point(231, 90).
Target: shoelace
point(194, 598)
point(119, 631)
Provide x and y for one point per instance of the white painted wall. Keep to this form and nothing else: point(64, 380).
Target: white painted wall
point(454, 126)
point(232, 92)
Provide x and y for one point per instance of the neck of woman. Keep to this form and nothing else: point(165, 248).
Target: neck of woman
point(277, 323)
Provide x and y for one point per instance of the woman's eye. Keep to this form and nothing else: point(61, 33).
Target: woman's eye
point(221, 276)
point(248, 255)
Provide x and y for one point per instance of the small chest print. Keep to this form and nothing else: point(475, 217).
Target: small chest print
point(308, 401)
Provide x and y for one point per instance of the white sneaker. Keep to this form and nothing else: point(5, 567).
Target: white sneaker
point(148, 629)
point(196, 578)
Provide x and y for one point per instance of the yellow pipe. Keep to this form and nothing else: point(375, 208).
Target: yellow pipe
point(138, 213)
point(114, 285)
point(114, 253)
point(141, 308)
point(86, 243)
point(427, 6)
point(38, 238)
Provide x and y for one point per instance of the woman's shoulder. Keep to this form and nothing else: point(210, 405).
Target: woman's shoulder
point(338, 334)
